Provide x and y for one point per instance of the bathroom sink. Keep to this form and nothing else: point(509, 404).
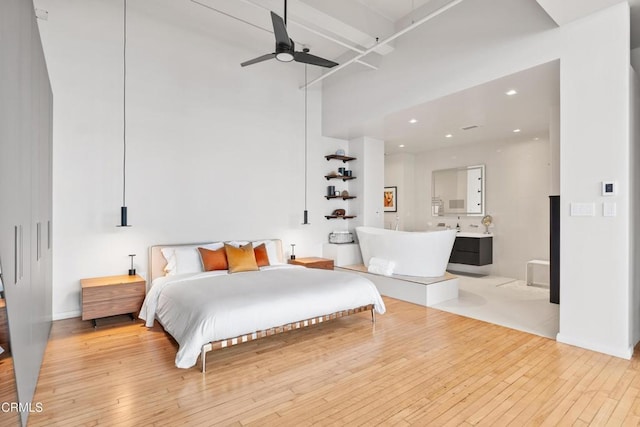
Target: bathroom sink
point(472, 234)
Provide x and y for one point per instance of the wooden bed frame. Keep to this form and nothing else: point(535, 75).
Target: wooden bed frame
point(157, 263)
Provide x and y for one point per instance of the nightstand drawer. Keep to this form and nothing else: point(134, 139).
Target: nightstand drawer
point(107, 293)
point(111, 308)
point(110, 296)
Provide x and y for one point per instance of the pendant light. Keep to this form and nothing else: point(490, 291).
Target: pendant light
point(123, 208)
point(306, 213)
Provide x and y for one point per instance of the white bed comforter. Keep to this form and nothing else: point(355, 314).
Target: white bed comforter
point(204, 307)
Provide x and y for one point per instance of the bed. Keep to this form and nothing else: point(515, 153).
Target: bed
point(210, 310)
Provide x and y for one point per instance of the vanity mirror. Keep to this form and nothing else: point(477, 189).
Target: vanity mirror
point(458, 191)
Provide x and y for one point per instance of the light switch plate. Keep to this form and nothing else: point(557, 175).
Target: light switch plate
point(583, 209)
point(609, 209)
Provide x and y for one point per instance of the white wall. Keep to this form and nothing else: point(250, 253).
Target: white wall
point(399, 171)
point(369, 184)
point(215, 151)
point(449, 55)
point(554, 141)
point(517, 180)
point(595, 147)
point(634, 159)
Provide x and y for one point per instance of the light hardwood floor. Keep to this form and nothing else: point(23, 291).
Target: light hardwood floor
point(416, 366)
point(8, 392)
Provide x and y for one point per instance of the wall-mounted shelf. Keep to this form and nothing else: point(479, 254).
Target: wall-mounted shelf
point(344, 159)
point(340, 197)
point(344, 178)
point(341, 216)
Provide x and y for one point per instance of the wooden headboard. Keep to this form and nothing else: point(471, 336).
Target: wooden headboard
point(157, 262)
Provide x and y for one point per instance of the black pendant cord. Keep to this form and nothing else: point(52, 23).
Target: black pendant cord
point(124, 108)
point(305, 137)
point(285, 13)
point(123, 208)
point(306, 214)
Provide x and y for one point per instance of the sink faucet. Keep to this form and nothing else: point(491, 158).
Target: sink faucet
point(397, 222)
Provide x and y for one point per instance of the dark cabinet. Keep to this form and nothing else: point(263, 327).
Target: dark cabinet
point(554, 249)
point(472, 251)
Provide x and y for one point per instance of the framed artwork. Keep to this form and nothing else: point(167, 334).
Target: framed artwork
point(390, 199)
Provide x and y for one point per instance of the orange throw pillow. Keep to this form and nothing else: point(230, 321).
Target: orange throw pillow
point(213, 260)
point(241, 259)
point(262, 258)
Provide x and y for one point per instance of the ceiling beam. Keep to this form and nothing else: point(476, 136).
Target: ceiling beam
point(387, 40)
point(566, 11)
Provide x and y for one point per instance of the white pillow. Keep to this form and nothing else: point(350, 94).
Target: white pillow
point(238, 243)
point(169, 269)
point(186, 259)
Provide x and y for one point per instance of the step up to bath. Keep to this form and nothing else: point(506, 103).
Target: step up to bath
point(425, 291)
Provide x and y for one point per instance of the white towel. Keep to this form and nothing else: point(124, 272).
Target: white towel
point(381, 266)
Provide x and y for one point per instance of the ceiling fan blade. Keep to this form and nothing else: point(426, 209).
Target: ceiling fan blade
point(258, 59)
point(280, 31)
point(307, 58)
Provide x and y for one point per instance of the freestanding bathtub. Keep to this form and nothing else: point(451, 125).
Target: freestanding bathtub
point(424, 254)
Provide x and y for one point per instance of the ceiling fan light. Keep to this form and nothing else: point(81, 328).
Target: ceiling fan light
point(284, 57)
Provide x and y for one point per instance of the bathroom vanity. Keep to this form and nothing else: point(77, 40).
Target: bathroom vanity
point(472, 249)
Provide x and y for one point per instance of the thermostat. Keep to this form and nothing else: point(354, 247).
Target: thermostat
point(608, 188)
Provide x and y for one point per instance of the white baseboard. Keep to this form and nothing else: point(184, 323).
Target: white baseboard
point(623, 353)
point(67, 315)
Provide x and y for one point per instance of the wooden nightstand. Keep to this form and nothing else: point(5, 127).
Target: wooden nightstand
point(313, 262)
point(112, 295)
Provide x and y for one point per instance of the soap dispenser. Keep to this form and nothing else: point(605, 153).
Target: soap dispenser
point(458, 225)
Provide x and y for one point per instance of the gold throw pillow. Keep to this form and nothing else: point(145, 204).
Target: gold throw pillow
point(241, 259)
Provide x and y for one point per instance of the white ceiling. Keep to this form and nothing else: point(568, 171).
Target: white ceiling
point(487, 106)
point(329, 26)
point(393, 10)
point(566, 11)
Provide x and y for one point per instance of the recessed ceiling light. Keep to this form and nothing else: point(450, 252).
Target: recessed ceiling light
point(412, 121)
point(448, 135)
point(511, 92)
point(536, 138)
point(401, 145)
point(516, 130)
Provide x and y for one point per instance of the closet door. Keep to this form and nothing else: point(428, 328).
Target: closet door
point(25, 196)
point(40, 193)
point(15, 179)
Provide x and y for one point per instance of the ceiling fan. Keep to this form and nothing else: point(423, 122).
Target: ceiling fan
point(285, 47)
